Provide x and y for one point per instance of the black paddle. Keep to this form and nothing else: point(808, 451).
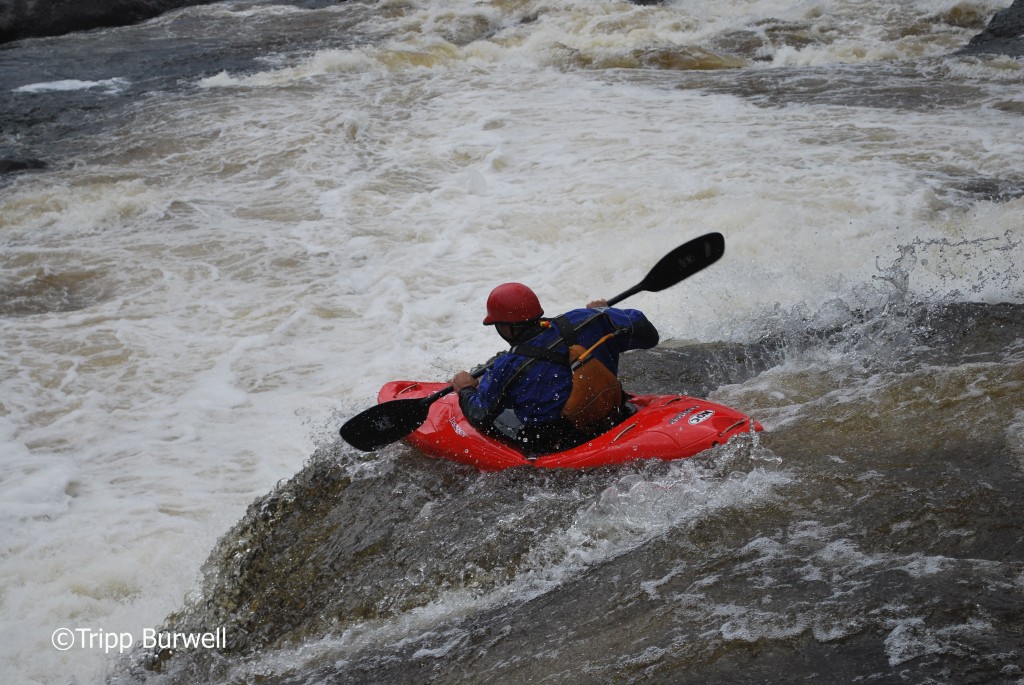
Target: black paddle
point(678, 265)
point(388, 422)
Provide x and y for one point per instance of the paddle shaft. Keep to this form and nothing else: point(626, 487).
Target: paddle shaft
point(475, 373)
point(623, 295)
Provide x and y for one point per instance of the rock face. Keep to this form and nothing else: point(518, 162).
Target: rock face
point(8, 166)
point(1004, 33)
point(29, 18)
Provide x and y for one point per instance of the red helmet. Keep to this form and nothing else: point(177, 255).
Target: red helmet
point(512, 303)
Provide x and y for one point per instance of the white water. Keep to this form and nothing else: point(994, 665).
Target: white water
point(112, 85)
point(266, 252)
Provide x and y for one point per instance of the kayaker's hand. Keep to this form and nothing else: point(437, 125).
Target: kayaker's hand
point(463, 380)
point(597, 304)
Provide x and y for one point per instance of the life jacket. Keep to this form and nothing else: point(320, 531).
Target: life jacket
point(596, 391)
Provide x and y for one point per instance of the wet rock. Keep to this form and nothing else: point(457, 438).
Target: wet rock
point(992, 189)
point(698, 369)
point(8, 166)
point(1003, 35)
point(30, 18)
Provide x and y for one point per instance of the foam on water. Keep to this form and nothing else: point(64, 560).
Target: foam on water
point(487, 158)
point(110, 86)
point(271, 248)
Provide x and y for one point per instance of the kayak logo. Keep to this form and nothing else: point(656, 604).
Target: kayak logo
point(682, 415)
point(458, 429)
point(701, 417)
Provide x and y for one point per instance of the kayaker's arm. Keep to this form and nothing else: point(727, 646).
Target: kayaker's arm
point(641, 333)
point(477, 406)
point(479, 397)
point(477, 415)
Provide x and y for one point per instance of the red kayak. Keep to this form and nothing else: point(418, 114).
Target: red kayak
point(664, 427)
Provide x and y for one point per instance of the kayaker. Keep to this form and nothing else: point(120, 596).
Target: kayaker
point(557, 408)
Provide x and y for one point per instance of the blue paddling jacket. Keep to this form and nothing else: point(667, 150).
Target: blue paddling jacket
point(538, 392)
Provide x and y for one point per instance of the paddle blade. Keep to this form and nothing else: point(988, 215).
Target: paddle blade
point(684, 261)
point(678, 265)
point(385, 423)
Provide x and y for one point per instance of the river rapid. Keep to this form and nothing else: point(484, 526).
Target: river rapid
point(231, 224)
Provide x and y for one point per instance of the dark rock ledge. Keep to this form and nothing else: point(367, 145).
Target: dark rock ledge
point(1004, 34)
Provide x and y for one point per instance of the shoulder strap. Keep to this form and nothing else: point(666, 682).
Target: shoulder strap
point(569, 332)
point(566, 329)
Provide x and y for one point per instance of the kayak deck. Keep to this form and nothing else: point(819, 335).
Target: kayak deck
point(664, 427)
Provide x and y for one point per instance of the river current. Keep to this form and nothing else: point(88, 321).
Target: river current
point(237, 221)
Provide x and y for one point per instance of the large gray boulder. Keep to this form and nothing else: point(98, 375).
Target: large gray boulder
point(28, 18)
point(1004, 33)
